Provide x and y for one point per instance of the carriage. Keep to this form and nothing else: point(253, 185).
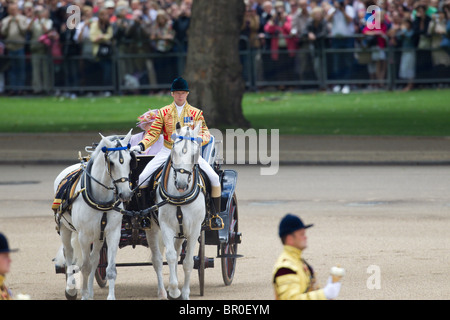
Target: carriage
point(226, 239)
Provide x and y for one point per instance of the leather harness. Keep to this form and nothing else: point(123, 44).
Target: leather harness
point(178, 201)
point(86, 187)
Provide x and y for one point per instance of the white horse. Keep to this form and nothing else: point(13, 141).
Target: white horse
point(106, 185)
point(180, 183)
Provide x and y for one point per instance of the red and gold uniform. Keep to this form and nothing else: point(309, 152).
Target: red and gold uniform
point(165, 123)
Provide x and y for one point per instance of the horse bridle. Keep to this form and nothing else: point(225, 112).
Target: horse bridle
point(181, 170)
point(107, 153)
point(85, 183)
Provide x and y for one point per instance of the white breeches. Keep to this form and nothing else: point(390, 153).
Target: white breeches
point(162, 156)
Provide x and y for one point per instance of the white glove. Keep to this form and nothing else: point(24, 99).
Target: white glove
point(332, 289)
point(137, 149)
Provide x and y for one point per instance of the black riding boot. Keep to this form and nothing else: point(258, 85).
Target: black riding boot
point(216, 222)
point(143, 197)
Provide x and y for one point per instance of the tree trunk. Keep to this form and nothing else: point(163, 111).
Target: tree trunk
point(213, 68)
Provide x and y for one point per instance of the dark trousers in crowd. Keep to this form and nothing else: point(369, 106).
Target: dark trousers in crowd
point(342, 62)
point(71, 67)
point(106, 66)
point(16, 73)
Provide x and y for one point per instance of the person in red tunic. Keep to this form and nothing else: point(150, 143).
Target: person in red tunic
point(179, 111)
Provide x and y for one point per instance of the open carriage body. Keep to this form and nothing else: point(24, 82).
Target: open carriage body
point(226, 239)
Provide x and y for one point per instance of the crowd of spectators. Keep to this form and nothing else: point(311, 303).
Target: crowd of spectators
point(300, 29)
point(72, 49)
point(71, 42)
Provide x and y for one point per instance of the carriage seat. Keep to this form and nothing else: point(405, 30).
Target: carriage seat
point(209, 151)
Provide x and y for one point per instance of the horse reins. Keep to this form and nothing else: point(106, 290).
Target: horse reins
point(167, 198)
point(121, 160)
point(86, 185)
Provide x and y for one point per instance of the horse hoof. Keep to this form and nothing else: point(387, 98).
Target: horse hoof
point(71, 295)
point(162, 295)
point(184, 297)
point(174, 298)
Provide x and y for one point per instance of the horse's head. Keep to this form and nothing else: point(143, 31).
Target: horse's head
point(185, 154)
point(119, 162)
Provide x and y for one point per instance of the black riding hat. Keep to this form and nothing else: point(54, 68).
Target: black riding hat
point(291, 223)
point(179, 84)
point(4, 247)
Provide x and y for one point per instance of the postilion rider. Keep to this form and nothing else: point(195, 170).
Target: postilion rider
point(179, 111)
point(293, 278)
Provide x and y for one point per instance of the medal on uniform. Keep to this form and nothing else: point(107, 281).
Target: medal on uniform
point(189, 121)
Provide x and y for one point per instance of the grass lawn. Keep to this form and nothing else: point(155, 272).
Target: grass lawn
point(57, 114)
point(421, 113)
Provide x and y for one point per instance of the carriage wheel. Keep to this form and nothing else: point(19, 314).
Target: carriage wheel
point(230, 249)
point(100, 273)
point(201, 267)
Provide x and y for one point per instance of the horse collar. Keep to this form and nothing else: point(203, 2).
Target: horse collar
point(179, 200)
point(86, 188)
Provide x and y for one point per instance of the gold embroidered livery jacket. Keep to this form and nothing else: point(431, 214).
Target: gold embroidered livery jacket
point(5, 294)
point(166, 121)
point(293, 278)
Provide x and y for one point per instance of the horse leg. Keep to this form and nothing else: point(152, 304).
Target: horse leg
point(172, 260)
point(85, 244)
point(112, 239)
point(179, 246)
point(188, 265)
point(71, 289)
point(157, 260)
point(94, 260)
point(59, 260)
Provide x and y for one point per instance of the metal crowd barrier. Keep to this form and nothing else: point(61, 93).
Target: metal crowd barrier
point(308, 67)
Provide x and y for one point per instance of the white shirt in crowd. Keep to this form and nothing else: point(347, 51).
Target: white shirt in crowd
point(340, 26)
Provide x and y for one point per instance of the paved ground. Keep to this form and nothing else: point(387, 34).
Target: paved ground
point(387, 225)
point(45, 148)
